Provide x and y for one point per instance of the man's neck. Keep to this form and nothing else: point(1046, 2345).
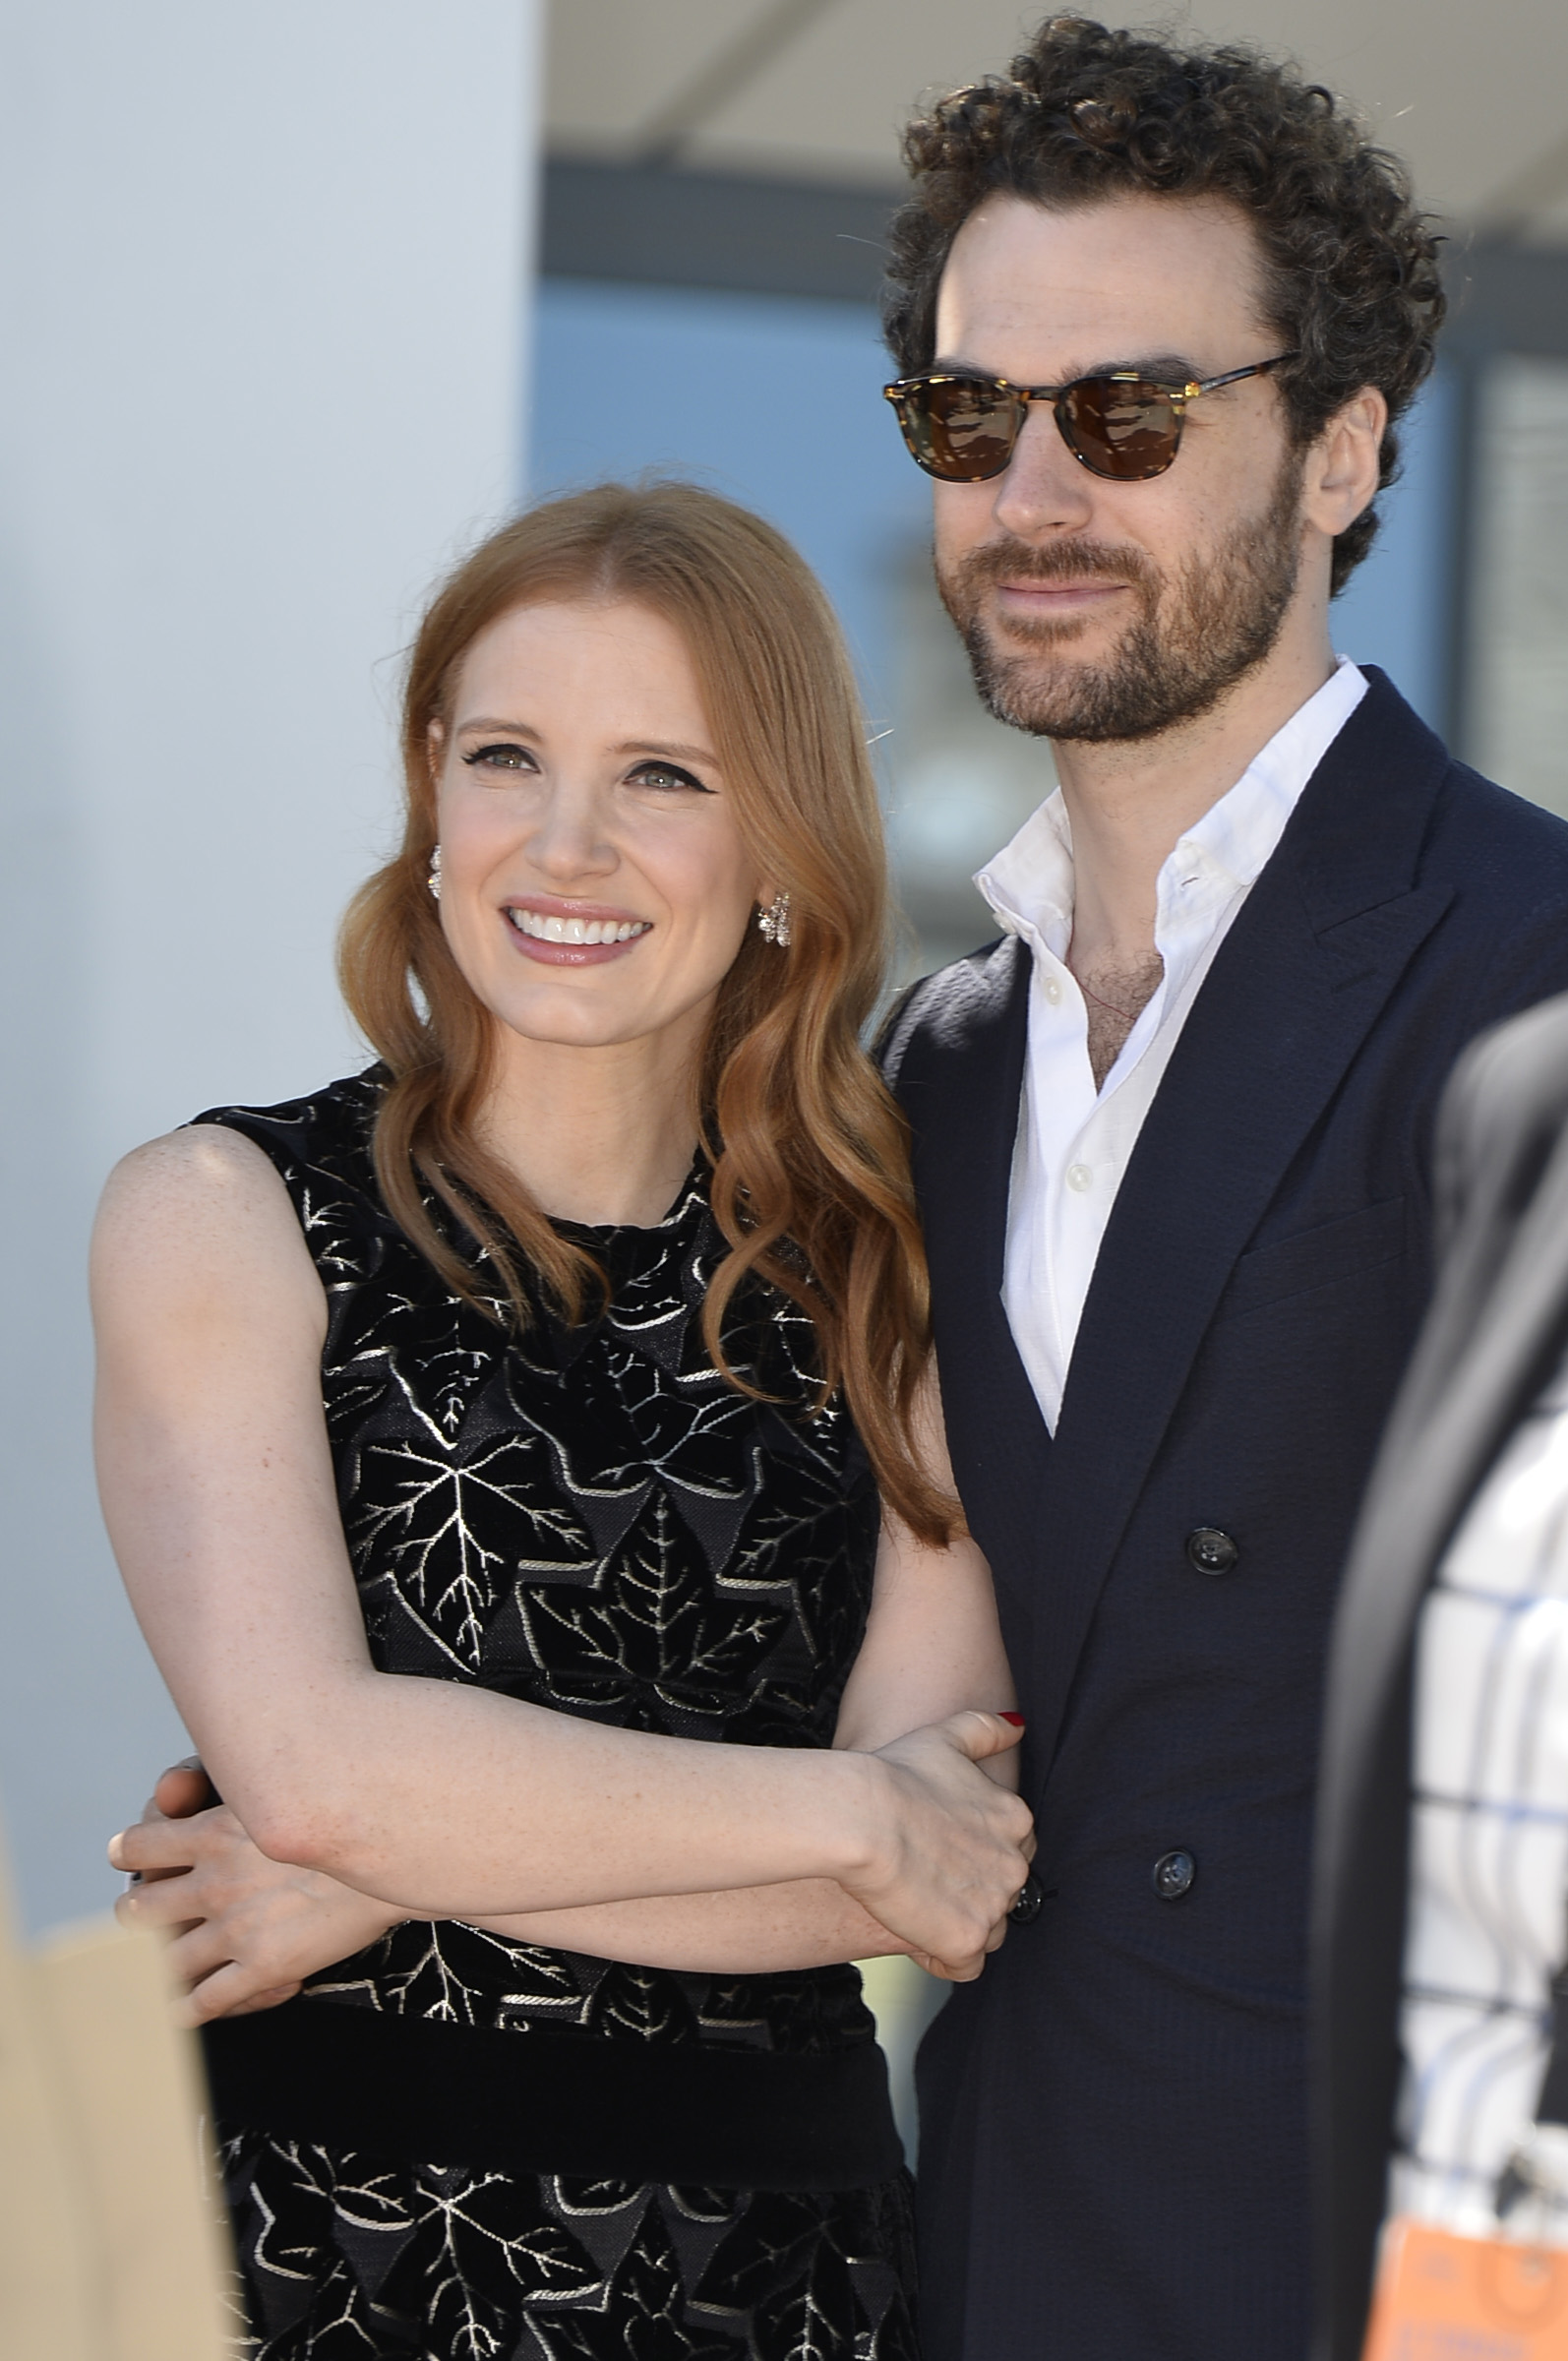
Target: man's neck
point(1130, 801)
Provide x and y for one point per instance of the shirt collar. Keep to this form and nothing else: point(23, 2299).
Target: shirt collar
point(1029, 884)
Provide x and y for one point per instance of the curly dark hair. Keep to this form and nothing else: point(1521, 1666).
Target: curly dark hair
point(1350, 276)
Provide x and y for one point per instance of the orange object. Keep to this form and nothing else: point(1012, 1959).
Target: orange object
point(1442, 2297)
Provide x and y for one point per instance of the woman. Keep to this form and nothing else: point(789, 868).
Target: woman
point(492, 1444)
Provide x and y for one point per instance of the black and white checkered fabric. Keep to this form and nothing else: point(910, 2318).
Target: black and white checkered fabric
point(1489, 1859)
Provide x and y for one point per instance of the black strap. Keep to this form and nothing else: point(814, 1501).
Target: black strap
point(1516, 2178)
point(538, 2100)
point(1552, 2106)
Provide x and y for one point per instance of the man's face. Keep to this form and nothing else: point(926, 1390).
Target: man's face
point(1095, 610)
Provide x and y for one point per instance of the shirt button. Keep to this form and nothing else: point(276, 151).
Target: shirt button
point(1053, 990)
point(1211, 1551)
point(1174, 1873)
point(1079, 1178)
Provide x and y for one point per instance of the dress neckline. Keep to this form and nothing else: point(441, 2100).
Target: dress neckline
point(691, 1196)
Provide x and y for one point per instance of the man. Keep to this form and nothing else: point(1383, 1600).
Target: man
point(1441, 1932)
point(1171, 1131)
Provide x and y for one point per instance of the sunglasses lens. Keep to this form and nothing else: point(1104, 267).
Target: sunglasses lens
point(960, 429)
point(1121, 428)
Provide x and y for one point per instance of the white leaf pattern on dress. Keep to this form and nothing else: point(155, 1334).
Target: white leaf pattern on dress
point(593, 1521)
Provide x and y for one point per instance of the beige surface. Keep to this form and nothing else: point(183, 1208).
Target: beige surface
point(47, 2282)
point(1476, 98)
point(107, 2250)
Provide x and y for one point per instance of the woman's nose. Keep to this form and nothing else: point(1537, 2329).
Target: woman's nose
point(569, 837)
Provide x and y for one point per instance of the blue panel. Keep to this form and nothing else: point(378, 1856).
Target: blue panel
point(772, 400)
point(776, 401)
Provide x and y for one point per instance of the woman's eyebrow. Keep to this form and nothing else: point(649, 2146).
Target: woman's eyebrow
point(668, 751)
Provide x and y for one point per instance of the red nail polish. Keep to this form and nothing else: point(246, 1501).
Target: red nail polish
point(1016, 1720)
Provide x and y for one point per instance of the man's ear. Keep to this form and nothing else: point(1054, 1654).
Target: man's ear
point(1342, 467)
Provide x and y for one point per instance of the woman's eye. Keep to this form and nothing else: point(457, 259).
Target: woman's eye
point(667, 775)
point(501, 757)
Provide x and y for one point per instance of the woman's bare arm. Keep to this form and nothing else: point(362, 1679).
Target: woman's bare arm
point(932, 1645)
point(218, 1490)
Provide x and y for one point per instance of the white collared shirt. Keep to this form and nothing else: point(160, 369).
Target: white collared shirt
point(1073, 1142)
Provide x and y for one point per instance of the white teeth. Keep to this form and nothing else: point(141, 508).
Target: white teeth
point(575, 929)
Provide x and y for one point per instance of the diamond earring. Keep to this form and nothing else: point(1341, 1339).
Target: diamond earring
point(775, 920)
point(434, 878)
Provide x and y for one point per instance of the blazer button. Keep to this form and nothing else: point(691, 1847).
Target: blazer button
point(1211, 1551)
point(1174, 1873)
point(1026, 1910)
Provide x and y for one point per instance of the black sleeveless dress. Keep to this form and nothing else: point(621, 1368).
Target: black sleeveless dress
point(467, 2148)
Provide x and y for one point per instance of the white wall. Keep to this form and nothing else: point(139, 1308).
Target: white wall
point(263, 272)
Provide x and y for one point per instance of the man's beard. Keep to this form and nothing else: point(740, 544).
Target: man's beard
point(1195, 633)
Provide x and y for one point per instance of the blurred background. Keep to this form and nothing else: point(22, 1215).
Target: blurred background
point(717, 181)
point(298, 300)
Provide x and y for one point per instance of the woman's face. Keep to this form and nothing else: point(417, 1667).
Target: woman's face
point(594, 887)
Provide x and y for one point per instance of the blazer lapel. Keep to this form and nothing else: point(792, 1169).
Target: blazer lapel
point(1308, 966)
point(966, 1066)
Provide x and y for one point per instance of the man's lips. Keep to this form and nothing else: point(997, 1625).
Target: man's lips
point(1029, 593)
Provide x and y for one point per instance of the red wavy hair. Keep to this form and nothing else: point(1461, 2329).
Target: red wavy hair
point(810, 1182)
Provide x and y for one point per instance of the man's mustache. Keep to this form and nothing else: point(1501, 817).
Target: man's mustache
point(1055, 562)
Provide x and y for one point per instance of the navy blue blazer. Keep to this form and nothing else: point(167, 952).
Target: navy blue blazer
point(1113, 2145)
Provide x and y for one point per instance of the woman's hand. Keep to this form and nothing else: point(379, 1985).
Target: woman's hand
point(949, 1855)
point(245, 1930)
point(956, 1848)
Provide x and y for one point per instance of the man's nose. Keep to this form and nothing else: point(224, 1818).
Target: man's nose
point(1046, 488)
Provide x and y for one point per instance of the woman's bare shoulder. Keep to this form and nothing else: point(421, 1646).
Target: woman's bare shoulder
point(199, 1161)
point(208, 1203)
point(202, 1175)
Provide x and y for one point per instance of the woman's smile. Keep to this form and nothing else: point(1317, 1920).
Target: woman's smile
point(561, 934)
